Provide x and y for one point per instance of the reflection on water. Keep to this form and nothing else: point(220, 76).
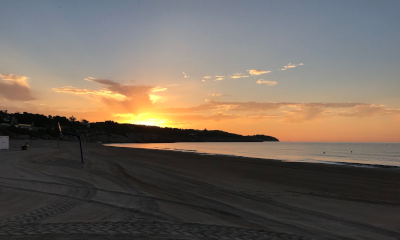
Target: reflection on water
point(386, 154)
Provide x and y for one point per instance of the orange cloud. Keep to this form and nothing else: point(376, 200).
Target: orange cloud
point(303, 114)
point(185, 75)
point(369, 110)
point(269, 83)
point(239, 75)
point(158, 89)
point(117, 97)
point(287, 111)
point(15, 88)
point(100, 93)
point(291, 66)
point(218, 95)
point(256, 72)
point(20, 80)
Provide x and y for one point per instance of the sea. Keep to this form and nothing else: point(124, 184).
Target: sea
point(348, 153)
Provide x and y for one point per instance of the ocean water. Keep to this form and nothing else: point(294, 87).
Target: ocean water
point(361, 154)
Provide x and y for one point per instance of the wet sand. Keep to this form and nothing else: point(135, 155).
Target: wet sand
point(121, 193)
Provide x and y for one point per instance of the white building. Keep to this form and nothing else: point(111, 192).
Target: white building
point(4, 142)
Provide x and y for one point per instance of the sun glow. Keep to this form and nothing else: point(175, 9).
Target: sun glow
point(150, 122)
point(141, 119)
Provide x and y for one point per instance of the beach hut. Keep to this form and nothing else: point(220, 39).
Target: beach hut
point(4, 142)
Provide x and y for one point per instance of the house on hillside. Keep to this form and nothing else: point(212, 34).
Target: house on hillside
point(8, 121)
point(25, 126)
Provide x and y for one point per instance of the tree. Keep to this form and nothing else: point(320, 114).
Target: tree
point(72, 119)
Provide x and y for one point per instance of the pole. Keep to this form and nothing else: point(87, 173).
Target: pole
point(80, 144)
point(79, 138)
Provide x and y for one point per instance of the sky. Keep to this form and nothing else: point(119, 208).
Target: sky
point(295, 70)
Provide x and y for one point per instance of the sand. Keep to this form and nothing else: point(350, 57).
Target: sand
point(121, 193)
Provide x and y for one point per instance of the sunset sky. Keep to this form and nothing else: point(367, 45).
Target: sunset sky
point(295, 70)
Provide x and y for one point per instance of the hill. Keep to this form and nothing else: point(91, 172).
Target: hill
point(37, 126)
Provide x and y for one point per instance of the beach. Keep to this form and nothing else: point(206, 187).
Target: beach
point(125, 193)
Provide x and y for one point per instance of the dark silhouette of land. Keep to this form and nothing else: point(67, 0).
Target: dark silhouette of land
point(38, 126)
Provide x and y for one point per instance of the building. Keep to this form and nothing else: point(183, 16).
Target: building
point(4, 142)
point(25, 126)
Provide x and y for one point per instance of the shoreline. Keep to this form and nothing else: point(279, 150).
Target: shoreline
point(192, 157)
point(122, 193)
point(364, 165)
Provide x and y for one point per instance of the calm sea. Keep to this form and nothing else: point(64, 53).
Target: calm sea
point(363, 154)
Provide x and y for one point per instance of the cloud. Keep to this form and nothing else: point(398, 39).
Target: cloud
point(11, 78)
point(154, 98)
point(239, 75)
point(256, 72)
point(203, 80)
point(15, 88)
point(100, 93)
point(189, 119)
point(259, 106)
point(291, 66)
point(207, 77)
point(218, 95)
point(102, 81)
point(119, 98)
point(287, 111)
point(158, 89)
point(219, 78)
point(369, 110)
point(185, 75)
point(302, 114)
point(126, 90)
point(269, 83)
point(229, 106)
